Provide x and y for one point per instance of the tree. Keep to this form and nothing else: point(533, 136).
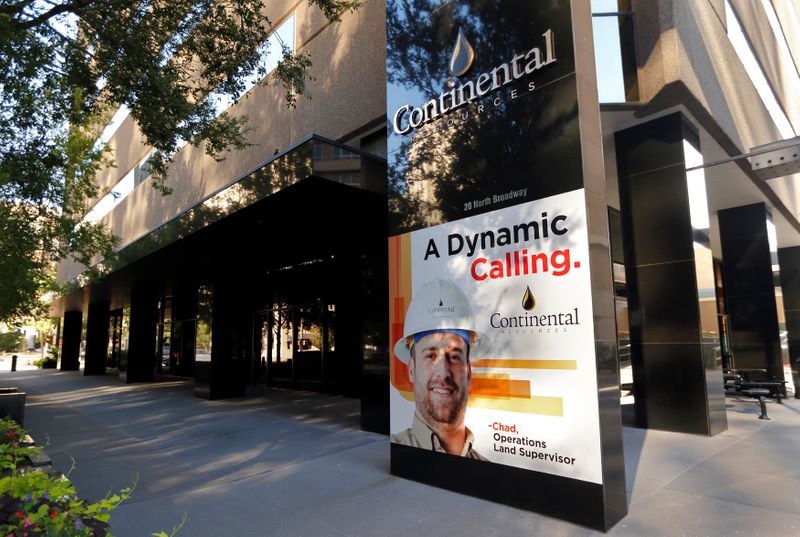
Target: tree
point(67, 65)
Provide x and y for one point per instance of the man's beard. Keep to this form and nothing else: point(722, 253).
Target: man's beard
point(450, 414)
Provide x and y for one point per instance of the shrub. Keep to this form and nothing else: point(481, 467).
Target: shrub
point(34, 503)
point(50, 361)
point(40, 503)
point(44, 363)
point(11, 341)
point(13, 449)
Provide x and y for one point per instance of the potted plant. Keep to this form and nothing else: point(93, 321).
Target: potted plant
point(50, 361)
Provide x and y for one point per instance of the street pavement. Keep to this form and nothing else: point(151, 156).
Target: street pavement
point(24, 361)
point(288, 463)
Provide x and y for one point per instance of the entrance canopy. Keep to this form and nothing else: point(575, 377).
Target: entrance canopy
point(300, 206)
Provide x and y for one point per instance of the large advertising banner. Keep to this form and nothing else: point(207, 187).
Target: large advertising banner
point(493, 340)
point(501, 360)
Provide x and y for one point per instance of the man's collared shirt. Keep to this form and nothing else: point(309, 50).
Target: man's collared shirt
point(421, 436)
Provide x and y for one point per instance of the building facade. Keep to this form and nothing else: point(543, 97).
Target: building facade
point(270, 267)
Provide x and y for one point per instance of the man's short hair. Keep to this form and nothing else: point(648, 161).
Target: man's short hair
point(412, 346)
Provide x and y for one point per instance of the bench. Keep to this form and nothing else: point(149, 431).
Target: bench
point(759, 394)
point(773, 386)
point(731, 381)
point(747, 373)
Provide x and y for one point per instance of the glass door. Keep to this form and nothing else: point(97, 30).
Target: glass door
point(164, 361)
point(115, 339)
point(280, 346)
point(309, 349)
point(294, 346)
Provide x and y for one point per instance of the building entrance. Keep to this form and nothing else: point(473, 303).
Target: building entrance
point(178, 343)
point(296, 346)
point(118, 322)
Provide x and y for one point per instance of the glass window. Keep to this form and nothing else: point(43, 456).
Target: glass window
point(118, 193)
point(279, 342)
point(741, 45)
point(271, 52)
point(615, 57)
point(310, 333)
point(164, 336)
point(119, 351)
point(202, 345)
point(339, 153)
point(346, 178)
point(114, 330)
point(141, 171)
point(114, 123)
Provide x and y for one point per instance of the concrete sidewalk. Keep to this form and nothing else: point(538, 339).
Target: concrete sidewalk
point(289, 463)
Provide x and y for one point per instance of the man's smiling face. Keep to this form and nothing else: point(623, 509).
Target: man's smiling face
point(440, 371)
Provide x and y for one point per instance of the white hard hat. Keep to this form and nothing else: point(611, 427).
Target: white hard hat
point(440, 305)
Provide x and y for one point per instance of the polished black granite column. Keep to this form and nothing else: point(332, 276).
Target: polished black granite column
point(345, 374)
point(789, 261)
point(71, 340)
point(748, 256)
point(141, 358)
point(96, 338)
point(749, 252)
point(226, 375)
point(668, 266)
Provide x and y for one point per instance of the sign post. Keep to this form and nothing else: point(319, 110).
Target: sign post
point(504, 380)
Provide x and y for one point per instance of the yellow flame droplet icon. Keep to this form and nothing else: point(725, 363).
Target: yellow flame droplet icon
point(528, 301)
point(463, 55)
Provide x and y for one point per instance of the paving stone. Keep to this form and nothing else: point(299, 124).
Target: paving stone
point(288, 463)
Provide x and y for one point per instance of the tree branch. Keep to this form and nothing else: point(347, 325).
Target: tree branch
point(75, 7)
point(13, 9)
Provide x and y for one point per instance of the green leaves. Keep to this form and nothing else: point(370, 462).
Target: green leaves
point(66, 66)
point(46, 504)
point(291, 72)
point(334, 10)
point(175, 529)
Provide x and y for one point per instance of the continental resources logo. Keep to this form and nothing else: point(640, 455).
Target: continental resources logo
point(407, 118)
point(551, 322)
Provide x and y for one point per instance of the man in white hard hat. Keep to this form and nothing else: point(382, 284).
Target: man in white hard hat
point(439, 339)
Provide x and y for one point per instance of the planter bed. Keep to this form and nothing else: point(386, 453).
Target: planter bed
point(37, 499)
